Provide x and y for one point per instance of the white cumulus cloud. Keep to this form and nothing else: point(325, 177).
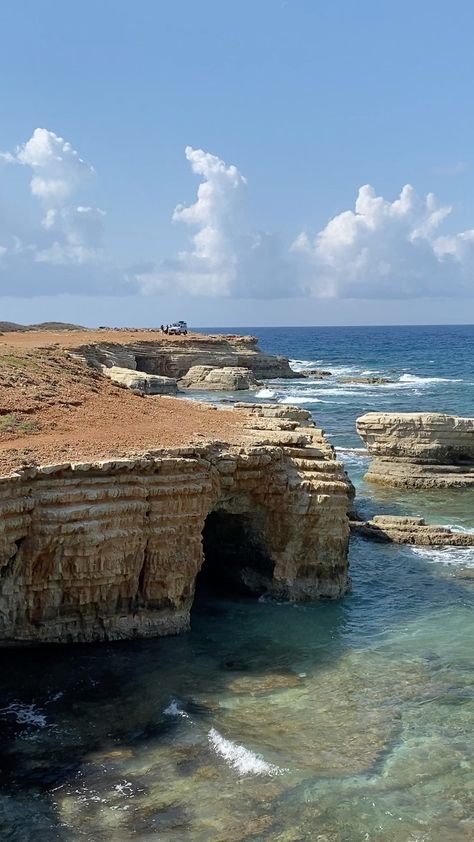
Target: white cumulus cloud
point(78, 235)
point(223, 258)
point(380, 249)
point(66, 234)
point(57, 169)
point(397, 248)
point(384, 249)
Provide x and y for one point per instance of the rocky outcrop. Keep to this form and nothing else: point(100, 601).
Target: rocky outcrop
point(140, 381)
point(419, 450)
point(370, 380)
point(174, 357)
point(315, 373)
point(230, 379)
point(411, 530)
point(112, 549)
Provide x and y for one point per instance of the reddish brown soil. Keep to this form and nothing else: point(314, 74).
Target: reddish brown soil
point(54, 409)
point(73, 338)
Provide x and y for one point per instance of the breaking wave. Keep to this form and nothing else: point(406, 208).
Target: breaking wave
point(414, 378)
point(303, 365)
point(450, 556)
point(244, 761)
point(265, 393)
point(290, 399)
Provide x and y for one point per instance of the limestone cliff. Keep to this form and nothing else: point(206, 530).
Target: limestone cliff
point(171, 358)
point(112, 549)
point(228, 379)
point(419, 450)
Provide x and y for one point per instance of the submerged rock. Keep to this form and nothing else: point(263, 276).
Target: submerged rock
point(315, 373)
point(371, 380)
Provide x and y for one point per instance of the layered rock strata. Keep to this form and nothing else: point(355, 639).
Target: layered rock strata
point(174, 358)
point(112, 549)
point(411, 530)
point(140, 381)
point(229, 379)
point(419, 450)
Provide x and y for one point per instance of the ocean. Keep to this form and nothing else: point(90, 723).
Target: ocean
point(347, 721)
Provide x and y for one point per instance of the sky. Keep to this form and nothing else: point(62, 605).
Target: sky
point(237, 163)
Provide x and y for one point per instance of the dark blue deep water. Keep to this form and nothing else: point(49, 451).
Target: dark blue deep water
point(347, 721)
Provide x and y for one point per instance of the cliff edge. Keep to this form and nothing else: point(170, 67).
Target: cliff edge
point(112, 504)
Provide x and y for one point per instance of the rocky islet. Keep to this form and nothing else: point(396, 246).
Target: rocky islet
point(419, 449)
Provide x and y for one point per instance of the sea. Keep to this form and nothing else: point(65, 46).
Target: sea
point(337, 721)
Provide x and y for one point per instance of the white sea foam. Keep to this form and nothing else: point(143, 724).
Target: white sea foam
point(301, 399)
point(414, 378)
point(457, 528)
point(265, 393)
point(346, 389)
point(25, 714)
point(342, 369)
point(303, 365)
point(352, 451)
point(244, 761)
point(174, 709)
point(450, 556)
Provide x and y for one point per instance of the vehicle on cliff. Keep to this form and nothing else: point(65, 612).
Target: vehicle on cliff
point(178, 329)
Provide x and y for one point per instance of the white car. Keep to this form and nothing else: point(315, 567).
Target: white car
point(178, 329)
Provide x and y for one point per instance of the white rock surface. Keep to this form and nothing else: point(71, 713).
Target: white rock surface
point(228, 379)
point(140, 381)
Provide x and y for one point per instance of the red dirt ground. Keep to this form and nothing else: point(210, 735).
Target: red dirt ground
point(55, 409)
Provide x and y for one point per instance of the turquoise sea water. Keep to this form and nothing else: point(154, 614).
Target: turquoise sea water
point(333, 722)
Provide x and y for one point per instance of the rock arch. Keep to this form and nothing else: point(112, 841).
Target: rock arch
point(113, 549)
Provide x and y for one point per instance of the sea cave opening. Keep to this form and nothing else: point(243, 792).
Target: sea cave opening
point(236, 560)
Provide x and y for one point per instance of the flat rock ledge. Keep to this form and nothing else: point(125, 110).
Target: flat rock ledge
point(410, 530)
point(226, 379)
point(419, 450)
point(111, 549)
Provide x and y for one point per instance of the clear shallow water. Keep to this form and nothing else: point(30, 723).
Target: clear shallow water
point(335, 722)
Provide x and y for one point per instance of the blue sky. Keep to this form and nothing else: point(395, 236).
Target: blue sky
point(287, 108)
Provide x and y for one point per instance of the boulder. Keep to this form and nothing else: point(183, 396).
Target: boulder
point(228, 379)
point(140, 381)
point(419, 449)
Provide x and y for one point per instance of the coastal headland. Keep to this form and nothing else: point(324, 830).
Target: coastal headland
point(111, 503)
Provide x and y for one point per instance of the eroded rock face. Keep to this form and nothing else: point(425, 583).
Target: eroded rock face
point(411, 530)
point(230, 379)
point(419, 450)
point(139, 381)
point(112, 549)
point(174, 358)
